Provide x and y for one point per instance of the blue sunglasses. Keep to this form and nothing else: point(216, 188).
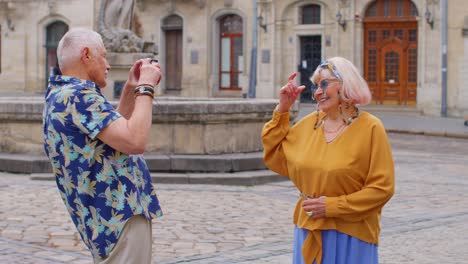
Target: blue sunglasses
point(323, 84)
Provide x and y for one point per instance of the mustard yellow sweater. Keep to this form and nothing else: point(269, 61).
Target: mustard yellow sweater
point(355, 172)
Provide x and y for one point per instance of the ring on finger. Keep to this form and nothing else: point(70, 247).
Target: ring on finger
point(310, 213)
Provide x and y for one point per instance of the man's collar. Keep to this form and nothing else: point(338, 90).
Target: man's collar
point(62, 79)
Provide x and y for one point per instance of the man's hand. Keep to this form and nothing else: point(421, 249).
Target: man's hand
point(288, 94)
point(134, 74)
point(150, 73)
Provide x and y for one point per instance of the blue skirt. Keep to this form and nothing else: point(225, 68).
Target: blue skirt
point(337, 248)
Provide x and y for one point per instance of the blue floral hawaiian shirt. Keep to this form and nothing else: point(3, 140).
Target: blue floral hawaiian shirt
point(100, 186)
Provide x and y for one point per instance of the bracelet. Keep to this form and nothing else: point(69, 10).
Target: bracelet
point(144, 93)
point(144, 88)
point(145, 84)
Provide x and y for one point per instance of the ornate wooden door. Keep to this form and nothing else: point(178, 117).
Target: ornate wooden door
point(390, 52)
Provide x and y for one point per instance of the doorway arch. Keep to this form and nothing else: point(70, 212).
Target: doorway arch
point(54, 32)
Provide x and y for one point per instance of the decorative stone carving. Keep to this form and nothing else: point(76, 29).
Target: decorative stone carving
point(201, 3)
point(114, 24)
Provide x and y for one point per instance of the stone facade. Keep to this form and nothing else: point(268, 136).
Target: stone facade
point(24, 25)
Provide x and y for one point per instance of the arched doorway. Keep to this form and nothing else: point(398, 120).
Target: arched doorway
point(172, 27)
point(54, 32)
point(310, 49)
point(390, 51)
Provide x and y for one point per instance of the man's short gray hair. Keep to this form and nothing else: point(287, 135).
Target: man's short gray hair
point(73, 42)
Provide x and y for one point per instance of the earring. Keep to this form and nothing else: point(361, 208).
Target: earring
point(317, 123)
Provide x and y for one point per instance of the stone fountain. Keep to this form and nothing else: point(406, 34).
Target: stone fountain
point(214, 135)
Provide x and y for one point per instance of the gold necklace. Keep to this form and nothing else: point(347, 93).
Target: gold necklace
point(336, 135)
point(332, 130)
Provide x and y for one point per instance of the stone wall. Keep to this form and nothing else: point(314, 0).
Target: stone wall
point(180, 126)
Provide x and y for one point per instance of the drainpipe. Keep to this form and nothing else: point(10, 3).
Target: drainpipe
point(444, 58)
point(253, 55)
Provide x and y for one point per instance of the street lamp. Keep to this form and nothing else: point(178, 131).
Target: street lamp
point(429, 18)
point(340, 20)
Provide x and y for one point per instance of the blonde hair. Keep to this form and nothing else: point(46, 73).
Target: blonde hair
point(73, 42)
point(355, 88)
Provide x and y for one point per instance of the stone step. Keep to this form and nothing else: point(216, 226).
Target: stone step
point(373, 108)
point(394, 109)
point(237, 162)
point(244, 178)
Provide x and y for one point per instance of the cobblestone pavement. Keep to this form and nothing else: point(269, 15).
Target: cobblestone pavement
point(425, 222)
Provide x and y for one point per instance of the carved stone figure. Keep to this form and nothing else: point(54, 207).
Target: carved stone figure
point(114, 24)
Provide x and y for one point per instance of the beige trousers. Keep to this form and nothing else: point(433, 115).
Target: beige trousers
point(134, 244)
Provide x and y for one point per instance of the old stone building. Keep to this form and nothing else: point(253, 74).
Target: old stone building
point(206, 46)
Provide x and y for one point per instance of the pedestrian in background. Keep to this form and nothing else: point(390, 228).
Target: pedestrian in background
point(340, 160)
point(95, 149)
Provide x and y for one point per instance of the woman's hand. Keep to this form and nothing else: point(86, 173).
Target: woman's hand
point(288, 94)
point(315, 207)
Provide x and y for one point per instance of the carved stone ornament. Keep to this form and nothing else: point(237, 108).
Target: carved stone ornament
point(114, 24)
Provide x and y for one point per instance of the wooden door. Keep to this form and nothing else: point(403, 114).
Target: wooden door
point(390, 61)
point(391, 72)
point(173, 60)
point(390, 51)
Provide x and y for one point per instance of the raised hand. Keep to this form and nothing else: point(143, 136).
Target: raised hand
point(134, 74)
point(288, 94)
point(150, 73)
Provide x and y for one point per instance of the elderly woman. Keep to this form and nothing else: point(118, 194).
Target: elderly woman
point(340, 160)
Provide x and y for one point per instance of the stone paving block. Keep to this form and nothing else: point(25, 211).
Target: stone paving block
point(425, 222)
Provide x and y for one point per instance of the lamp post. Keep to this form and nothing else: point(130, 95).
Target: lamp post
point(253, 55)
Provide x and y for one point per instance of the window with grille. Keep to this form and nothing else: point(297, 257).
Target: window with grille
point(392, 8)
point(310, 14)
point(372, 65)
point(386, 34)
point(413, 35)
point(391, 66)
point(398, 33)
point(412, 64)
point(372, 38)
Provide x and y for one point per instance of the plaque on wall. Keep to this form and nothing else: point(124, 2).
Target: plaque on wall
point(266, 56)
point(194, 56)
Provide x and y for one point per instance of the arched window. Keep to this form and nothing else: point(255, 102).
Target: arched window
point(310, 14)
point(172, 22)
point(391, 8)
point(54, 32)
point(231, 51)
point(173, 27)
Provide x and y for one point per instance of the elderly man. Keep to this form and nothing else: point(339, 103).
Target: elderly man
point(95, 149)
